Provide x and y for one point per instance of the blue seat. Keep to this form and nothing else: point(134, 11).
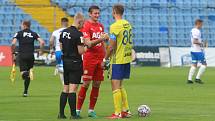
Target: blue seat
point(138, 42)
point(10, 21)
point(152, 20)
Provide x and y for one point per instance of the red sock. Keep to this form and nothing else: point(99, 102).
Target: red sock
point(93, 97)
point(81, 97)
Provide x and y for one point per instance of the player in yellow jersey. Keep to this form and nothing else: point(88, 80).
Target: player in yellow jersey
point(120, 54)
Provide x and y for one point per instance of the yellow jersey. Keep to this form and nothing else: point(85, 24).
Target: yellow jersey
point(121, 33)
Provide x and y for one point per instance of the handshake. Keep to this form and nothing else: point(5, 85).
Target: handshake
point(104, 36)
point(89, 44)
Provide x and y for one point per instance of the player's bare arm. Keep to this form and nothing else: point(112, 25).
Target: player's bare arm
point(51, 43)
point(13, 47)
point(110, 49)
point(61, 45)
point(205, 43)
point(81, 49)
point(42, 44)
point(93, 43)
point(196, 41)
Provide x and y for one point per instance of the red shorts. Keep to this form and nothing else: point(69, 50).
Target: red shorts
point(93, 70)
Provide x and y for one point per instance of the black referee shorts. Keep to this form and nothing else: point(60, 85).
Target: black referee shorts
point(72, 77)
point(26, 62)
point(73, 71)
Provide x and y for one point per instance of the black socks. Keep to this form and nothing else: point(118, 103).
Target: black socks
point(72, 103)
point(26, 85)
point(63, 101)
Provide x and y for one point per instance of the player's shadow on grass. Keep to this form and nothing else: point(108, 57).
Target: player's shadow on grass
point(44, 96)
point(30, 96)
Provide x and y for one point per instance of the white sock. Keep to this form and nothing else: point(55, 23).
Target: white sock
point(201, 71)
point(191, 72)
point(90, 110)
point(55, 71)
point(61, 78)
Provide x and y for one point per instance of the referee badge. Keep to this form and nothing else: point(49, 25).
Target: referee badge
point(82, 39)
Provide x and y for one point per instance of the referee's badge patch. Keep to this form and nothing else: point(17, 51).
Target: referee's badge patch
point(85, 72)
point(82, 39)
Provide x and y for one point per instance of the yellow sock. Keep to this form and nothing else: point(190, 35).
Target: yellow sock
point(125, 106)
point(31, 74)
point(117, 99)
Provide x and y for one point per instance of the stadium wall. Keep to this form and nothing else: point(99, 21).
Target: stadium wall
point(180, 56)
point(5, 56)
point(145, 56)
point(169, 56)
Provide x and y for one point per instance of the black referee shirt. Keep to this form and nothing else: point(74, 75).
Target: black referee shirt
point(70, 38)
point(26, 39)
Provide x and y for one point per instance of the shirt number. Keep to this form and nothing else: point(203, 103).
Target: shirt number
point(127, 37)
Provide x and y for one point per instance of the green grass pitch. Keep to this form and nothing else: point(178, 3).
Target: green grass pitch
point(163, 89)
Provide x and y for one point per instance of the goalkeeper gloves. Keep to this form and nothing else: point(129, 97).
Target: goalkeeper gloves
point(106, 64)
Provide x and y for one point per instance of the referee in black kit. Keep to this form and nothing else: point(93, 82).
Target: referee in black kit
point(72, 46)
point(26, 39)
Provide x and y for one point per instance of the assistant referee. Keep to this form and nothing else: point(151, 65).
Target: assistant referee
point(26, 39)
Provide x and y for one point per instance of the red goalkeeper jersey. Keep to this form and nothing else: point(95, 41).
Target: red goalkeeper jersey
point(93, 31)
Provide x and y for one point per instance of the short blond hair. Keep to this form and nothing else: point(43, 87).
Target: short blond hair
point(78, 16)
point(118, 9)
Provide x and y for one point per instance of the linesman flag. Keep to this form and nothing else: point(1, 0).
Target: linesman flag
point(13, 73)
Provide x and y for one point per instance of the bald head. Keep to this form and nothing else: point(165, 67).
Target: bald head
point(78, 20)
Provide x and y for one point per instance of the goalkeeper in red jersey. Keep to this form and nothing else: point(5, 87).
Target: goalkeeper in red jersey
point(92, 60)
